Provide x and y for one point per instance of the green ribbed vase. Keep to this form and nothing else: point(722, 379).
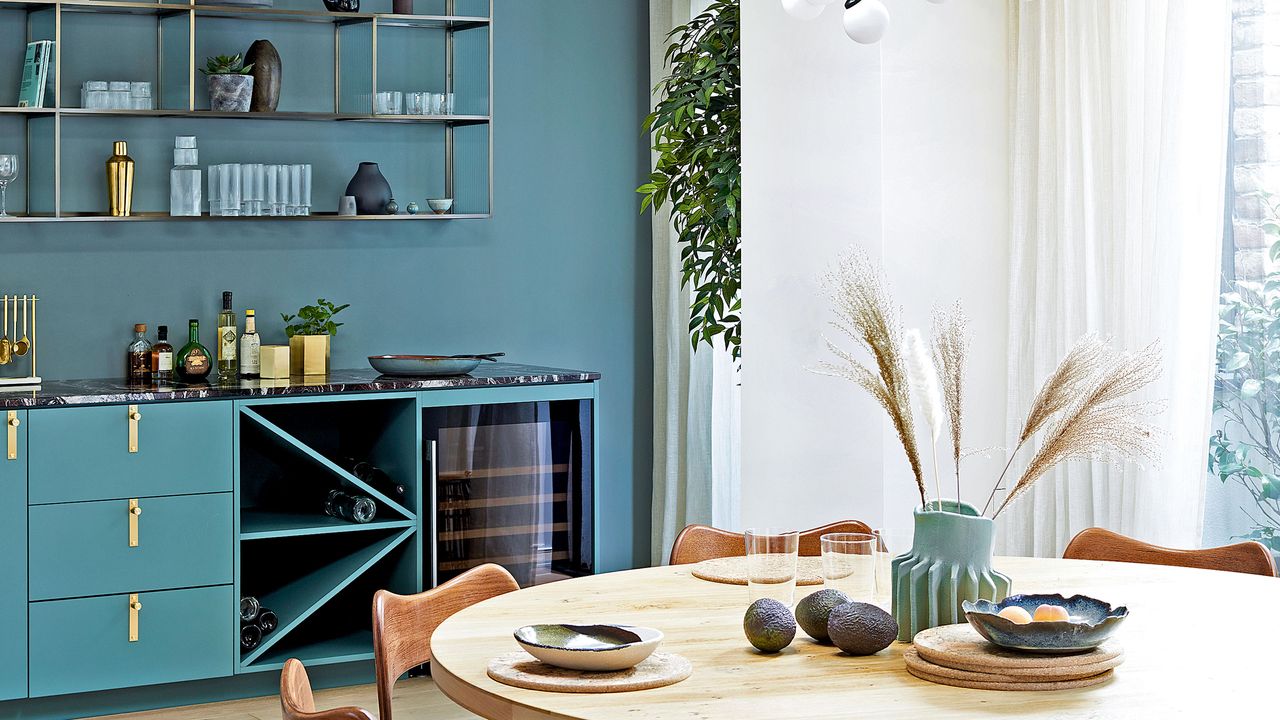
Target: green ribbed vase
point(949, 562)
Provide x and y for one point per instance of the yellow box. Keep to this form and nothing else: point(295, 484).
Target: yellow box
point(274, 363)
point(309, 355)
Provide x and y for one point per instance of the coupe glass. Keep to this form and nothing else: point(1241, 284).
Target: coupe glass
point(849, 564)
point(771, 563)
point(8, 173)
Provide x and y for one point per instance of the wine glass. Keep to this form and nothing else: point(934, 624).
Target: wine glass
point(8, 172)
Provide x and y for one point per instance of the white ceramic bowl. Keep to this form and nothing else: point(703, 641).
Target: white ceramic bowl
point(595, 648)
point(440, 206)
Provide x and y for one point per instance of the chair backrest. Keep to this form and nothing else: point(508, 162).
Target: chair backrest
point(1099, 544)
point(297, 702)
point(696, 543)
point(403, 624)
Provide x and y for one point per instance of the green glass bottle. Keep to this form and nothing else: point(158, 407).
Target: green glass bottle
point(193, 361)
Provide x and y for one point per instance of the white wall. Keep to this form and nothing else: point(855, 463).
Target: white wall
point(901, 147)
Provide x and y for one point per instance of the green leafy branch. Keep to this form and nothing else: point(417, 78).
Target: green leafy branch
point(314, 319)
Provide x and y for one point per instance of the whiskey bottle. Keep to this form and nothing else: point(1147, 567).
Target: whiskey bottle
point(227, 365)
point(162, 356)
point(138, 357)
point(193, 361)
point(250, 347)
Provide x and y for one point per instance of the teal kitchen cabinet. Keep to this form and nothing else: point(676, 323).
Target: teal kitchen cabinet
point(13, 556)
point(89, 453)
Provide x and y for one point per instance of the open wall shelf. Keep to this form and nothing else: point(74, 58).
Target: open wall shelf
point(334, 64)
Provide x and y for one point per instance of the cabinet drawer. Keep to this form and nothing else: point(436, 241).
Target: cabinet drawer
point(82, 453)
point(83, 645)
point(79, 549)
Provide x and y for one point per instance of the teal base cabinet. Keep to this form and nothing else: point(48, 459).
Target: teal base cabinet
point(130, 531)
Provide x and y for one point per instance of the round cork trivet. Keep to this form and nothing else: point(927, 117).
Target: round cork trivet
point(733, 570)
point(962, 648)
point(522, 670)
point(1071, 672)
point(1102, 677)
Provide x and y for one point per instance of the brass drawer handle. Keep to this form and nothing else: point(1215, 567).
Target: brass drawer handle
point(135, 607)
point(134, 417)
point(134, 511)
point(11, 427)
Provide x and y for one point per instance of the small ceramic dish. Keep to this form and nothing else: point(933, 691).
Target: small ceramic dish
point(1091, 622)
point(440, 206)
point(595, 648)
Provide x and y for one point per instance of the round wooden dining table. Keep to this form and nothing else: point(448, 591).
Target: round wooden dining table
point(1198, 643)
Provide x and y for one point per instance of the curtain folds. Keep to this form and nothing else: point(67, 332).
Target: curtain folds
point(1120, 115)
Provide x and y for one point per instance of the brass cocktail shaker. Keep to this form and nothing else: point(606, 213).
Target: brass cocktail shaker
point(120, 181)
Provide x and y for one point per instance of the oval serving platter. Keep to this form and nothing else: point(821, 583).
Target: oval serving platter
point(428, 365)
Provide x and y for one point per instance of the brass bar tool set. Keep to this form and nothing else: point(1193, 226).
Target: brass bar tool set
point(18, 338)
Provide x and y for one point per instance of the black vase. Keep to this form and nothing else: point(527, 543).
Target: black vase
point(371, 191)
point(267, 76)
point(342, 5)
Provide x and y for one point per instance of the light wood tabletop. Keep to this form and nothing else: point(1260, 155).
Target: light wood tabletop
point(1198, 643)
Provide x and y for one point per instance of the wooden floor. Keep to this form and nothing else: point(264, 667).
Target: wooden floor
point(414, 698)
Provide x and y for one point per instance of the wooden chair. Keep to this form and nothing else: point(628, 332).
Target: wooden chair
point(696, 543)
point(297, 702)
point(1098, 544)
point(403, 624)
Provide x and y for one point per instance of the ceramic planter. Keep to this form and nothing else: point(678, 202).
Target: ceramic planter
point(949, 563)
point(230, 93)
point(309, 355)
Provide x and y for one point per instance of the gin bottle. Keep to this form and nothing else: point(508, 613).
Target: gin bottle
point(184, 178)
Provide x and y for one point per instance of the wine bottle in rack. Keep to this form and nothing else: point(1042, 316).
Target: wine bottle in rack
point(375, 476)
point(250, 637)
point(249, 609)
point(352, 508)
point(267, 621)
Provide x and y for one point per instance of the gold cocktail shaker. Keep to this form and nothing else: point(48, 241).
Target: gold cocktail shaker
point(120, 181)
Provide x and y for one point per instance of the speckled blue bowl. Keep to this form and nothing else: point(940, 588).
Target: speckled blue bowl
point(1092, 621)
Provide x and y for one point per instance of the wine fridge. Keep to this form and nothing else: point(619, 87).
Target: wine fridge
point(511, 484)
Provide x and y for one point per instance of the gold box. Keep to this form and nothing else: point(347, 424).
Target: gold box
point(309, 355)
point(274, 362)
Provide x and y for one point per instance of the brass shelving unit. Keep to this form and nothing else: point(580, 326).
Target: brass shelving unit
point(45, 21)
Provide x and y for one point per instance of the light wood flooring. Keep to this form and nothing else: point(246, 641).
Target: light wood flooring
point(414, 698)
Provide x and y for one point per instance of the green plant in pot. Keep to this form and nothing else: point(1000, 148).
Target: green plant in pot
point(309, 334)
point(1082, 411)
point(230, 84)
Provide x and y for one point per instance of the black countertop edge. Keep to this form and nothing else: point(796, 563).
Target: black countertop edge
point(110, 391)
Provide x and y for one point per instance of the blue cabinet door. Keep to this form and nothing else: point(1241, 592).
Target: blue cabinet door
point(13, 557)
point(82, 453)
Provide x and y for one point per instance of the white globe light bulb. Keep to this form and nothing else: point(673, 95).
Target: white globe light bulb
point(802, 9)
point(866, 22)
point(829, 2)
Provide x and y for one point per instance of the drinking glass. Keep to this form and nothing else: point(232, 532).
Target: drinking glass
point(417, 103)
point(437, 103)
point(849, 564)
point(771, 563)
point(8, 173)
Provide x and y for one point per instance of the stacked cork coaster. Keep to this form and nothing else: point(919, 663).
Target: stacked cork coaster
point(957, 655)
point(733, 570)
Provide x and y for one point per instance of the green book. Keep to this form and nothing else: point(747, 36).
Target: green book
point(35, 74)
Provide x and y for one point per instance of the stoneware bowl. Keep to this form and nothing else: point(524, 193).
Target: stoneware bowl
point(440, 206)
point(422, 365)
point(1091, 622)
point(595, 648)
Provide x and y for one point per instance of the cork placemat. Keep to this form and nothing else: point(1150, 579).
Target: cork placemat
point(733, 570)
point(1102, 677)
point(962, 648)
point(1023, 675)
point(522, 670)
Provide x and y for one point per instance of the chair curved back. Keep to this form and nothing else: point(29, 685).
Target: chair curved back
point(403, 624)
point(1099, 544)
point(297, 702)
point(696, 543)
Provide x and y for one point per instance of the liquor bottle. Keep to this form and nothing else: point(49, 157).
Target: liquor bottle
point(227, 366)
point(193, 362)
point(162, 356)
point(250, 347)
point(138, 358)
point(250, 637)
point(352, 508)
point(250, 609)
point(267, 621)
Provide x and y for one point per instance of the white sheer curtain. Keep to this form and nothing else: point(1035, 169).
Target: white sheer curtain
point(1120, 128)
point(695, 393)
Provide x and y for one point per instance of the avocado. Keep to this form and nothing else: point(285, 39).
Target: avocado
point(812, 612)
point(769, 625)
point(861, 628)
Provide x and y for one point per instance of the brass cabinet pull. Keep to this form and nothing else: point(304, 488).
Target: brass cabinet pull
point(135, 607)
point(134, 417)
point(134, 512)
point(11, 428)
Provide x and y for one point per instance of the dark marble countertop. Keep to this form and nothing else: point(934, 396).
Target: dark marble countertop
point(106, 391)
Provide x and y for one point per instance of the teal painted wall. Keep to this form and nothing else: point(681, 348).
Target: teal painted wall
point(559, 276)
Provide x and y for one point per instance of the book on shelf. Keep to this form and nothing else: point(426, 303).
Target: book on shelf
point(35, 74)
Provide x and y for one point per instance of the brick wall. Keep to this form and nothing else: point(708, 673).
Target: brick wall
point(1255, 122)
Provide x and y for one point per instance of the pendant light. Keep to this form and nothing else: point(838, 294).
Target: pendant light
point(865, 21)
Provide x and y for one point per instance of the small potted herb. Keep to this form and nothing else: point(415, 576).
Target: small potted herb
point(230, 84)
point(309, 332)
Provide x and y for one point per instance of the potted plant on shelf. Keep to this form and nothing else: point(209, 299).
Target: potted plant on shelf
point(309, 332)
point(230, 84)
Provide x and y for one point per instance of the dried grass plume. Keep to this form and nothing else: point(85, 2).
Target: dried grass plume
point(951, 341)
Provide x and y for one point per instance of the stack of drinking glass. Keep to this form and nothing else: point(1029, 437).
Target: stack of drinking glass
point(115, 95)
point(257, 190)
